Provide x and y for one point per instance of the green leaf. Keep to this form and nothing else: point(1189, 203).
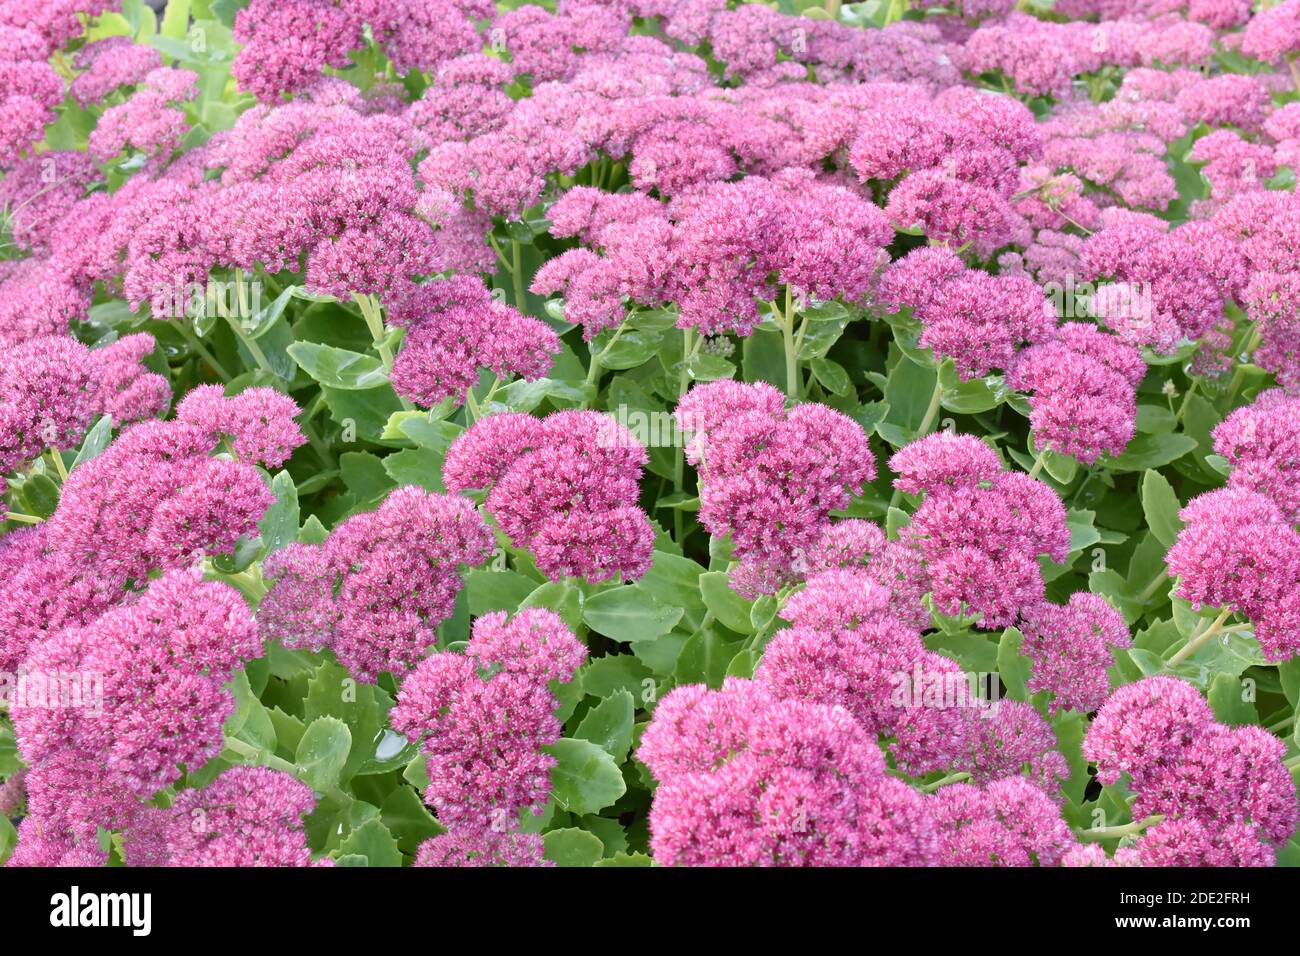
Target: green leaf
point(1013, 667)
point(585, 778)
point(279, 526)
point(323, 752)
point(1150, 451)
point(40, 495)
point(705, 658)
point(632, 348)
point(609, 725)
point(613, 672)
point(832, 376)
point(629, 613)
point(1227, 697)
point(408, 819)
point(966, 397)
point(727, 606)
point(364, 708)
point(364, 475)
point(1161, 506)
point(626, 859)
point(562, 597)
point(572, 847)
point(674, 580)
point(908, 391)
point(489, 590)
point(338, 368)
point(96, 440)
point(373, 841)
point(176, 19)
point(8, 839)
point(259, 324)
point(416, 466)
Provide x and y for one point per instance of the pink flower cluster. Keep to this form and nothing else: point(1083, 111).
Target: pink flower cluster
point(247, 816)
point(287, 44)
point(976, 319)
point(1082, 388)
point(484, 718)
point(848, 647)
point(1069, 647)
point(1238, 550)
point(1261, 442)
point(768, 478)
point(1157, 290)
point(148, 122)
point(980, 529)
point(377, 588)
point(454, 328)
point(564, 487)
point(1007, 823)
point(110, 712)
point(30, 89)
point(746, 779)
point(1225, 788)
point(1264, 226)
point(716, 251)
point(53, 387)
point(110, 64)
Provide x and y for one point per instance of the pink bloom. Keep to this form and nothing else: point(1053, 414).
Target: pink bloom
point(1009, 822)
point(128, 392)
point(248, 816)
point(745, 779)
point(564, 487)
point(484, 717)
point(454, 328)
point(767, 478)
point(1069, 647)
point(1083, 399)
point(258, 423)
point(109, 64)
point(1145, 726)
point(481, 846)
point(1237, 550)
point(48, 397)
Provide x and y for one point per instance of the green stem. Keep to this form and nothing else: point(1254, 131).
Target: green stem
point(517, 275)
point(931, 411)
point(1149, 591)
point(951, 778)
point(501, 256)
point(1187, 398)
point(193, 342)
point(373, 314)
point(1200, 640)
point(318, 443)
point(57, 458)
point(1252, 343)
point(927, 421)
point(791, 350)
point(259, 755)
point(22, 518)
point(1114, 833)
point(254, 349)
point(679, 461)
point(593, 370)
point(1039, 460)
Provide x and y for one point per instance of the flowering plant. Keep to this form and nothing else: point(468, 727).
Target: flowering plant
point(649, 432)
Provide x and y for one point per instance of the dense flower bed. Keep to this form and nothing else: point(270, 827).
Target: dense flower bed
point(615, 432)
